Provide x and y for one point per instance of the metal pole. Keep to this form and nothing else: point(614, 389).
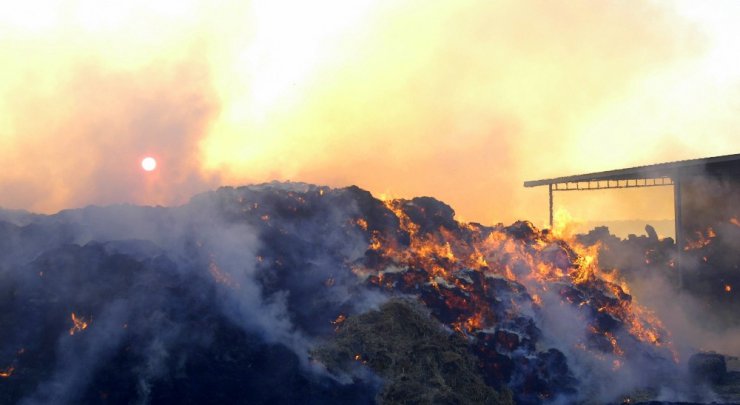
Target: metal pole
point(678, 224)
point(550, 190)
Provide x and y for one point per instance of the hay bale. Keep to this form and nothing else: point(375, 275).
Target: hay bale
point(707, 367)
point(420, 362)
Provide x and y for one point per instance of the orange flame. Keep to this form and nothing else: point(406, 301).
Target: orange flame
point(7, 372)
point(615, 345)
point(536, 261)
point(78, 324)
point(339, 321)
point(221, 276)
point(702, 239)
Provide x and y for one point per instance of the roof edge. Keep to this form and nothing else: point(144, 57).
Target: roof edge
point(669, 169)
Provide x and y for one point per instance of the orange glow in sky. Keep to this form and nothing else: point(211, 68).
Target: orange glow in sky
point(458, 99)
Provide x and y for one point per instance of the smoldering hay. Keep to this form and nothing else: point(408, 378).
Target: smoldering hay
point(233, 296)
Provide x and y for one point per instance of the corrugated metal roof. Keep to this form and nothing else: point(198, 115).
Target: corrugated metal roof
point(669, 169)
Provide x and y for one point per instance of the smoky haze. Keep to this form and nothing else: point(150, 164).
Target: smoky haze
point(401, 99)
point(86, 146)
point(154, 284)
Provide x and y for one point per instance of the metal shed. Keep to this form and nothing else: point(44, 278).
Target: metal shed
point(705, 190)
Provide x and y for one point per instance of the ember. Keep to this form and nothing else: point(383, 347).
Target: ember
point(220, 276)
point(78, 324)
point(339, 321)
point(700, 239)
point(7, 372)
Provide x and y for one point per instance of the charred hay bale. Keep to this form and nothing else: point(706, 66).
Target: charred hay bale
point(420, 361)
point(430, 214)
point(707, 367)
point(523, 230)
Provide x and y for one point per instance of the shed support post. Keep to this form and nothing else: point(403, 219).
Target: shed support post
point(550, 191)
point(678, 225)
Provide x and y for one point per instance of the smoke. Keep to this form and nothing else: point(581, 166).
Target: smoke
point(87, 147)
point(481, 91)
point(248, 281)
point(400, 98)
point(701, 314)
point(604, 353)
point(157, 286)
point(77, 360)
point(693, 327)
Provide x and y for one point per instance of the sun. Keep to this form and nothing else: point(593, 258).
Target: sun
point(148, 164)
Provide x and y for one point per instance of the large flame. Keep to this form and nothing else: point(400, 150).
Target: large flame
point(545, 262)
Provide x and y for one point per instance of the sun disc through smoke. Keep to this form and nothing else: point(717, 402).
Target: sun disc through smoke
point(148, 164)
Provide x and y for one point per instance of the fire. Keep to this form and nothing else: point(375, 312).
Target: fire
point(7, 372)
point(470, 325)
point(701, 240)
point(615, 344)
point(564, 225)
point(458, 268)
point(405, 222)
point(728, 288)
point(375, 243)
point(339, 321)
point(78, 324)
point(435, 253)
point(735, 221)
point(587, 262)
point(359, 358)
point(221, 276)
point(478, 259)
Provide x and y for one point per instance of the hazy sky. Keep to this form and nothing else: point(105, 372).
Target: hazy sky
point(459, 99)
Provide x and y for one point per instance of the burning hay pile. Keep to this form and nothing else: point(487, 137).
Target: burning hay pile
point(709, 260)
point(271, 293)
point(413, 353)
point(525, 299)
